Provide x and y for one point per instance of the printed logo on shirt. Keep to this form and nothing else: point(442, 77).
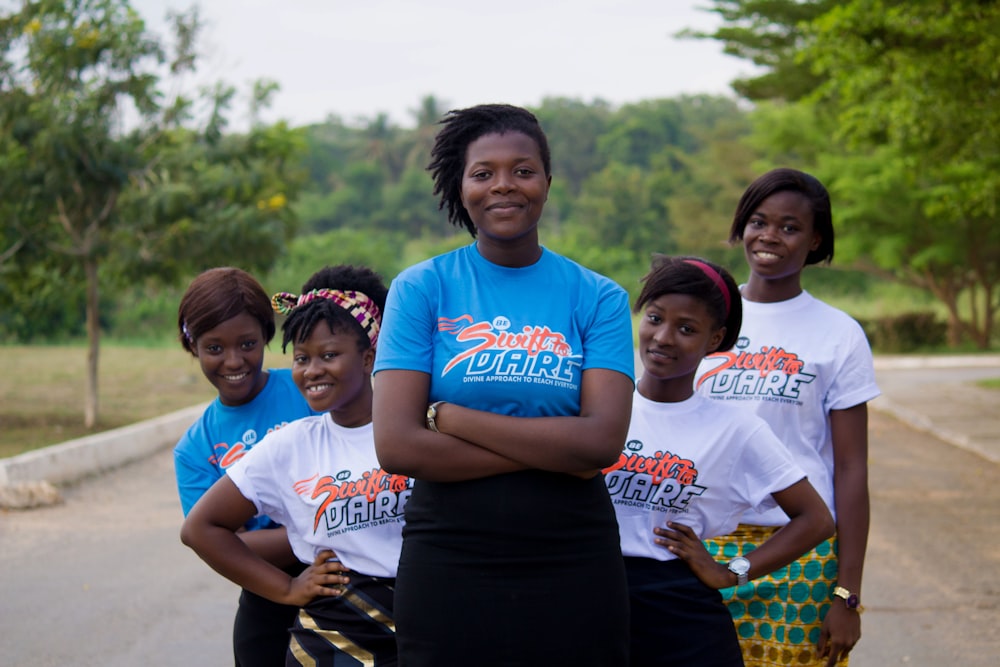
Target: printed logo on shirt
point(494, 353)
point(662, 482)
point(351, 502)
point(225, 455)
point(770, 374)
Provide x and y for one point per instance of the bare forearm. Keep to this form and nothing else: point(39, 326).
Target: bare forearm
point(591, 440)
point(437, 457)
point(850, 491)
point(226, 553)
point(558, 444)
point(853, 515)
point(271, 545)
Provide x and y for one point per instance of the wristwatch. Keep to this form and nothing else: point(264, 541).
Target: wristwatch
point(432, 413)
point(740, 566)
point(850, 599)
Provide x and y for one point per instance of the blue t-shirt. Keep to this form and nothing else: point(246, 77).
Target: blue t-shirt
point(224, 433)
point(512, 341)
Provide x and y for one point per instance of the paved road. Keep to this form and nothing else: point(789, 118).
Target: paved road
point(102, 580)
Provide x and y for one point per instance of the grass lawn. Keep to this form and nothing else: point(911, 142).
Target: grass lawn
point(41, 390)
point(991, 383)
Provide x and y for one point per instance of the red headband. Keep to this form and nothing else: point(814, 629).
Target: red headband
point(716, 278)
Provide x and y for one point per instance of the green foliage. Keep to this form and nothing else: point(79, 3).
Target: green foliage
point(308, 254)
point(106, 175)
point(621, 264)
point(894, 109)
point(906, 332)
point(902, 134)
point(573, 128)
point(769, 33)
point(154, 200)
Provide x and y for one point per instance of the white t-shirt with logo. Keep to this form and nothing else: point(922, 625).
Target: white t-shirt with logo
point(325, 485)
point(698, 463)
point(794, 362)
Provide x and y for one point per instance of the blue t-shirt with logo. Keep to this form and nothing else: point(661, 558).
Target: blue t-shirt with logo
point(224, 433)
point(512, 341)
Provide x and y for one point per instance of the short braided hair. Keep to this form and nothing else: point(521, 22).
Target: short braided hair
point(460, 128)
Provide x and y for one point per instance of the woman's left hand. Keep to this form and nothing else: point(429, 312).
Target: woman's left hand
point(841, 631)
point(681, 541)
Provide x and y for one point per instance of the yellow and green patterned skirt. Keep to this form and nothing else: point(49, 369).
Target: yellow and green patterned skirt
point(779, 616)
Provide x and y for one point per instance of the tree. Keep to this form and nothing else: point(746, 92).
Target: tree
point(100, 148)
point(769, 33)
point(572, 128)
point(906, 93)
point(917, 86)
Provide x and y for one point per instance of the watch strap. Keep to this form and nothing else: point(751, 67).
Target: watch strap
point(851, 600)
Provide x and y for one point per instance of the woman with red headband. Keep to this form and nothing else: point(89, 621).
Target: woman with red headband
point(689, 468)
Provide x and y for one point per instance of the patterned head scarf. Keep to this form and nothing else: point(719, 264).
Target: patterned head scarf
point(358, 304)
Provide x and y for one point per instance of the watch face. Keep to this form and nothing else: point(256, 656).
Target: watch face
point(739, 565)
point(852, 601)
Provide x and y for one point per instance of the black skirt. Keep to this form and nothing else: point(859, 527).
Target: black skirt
point(515, 570)
point(677, 621)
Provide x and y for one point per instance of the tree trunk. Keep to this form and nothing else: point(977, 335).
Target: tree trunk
point(94, 344)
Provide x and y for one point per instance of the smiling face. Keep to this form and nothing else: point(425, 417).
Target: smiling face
point(504, 188)
point(334, 375)
point(777, 239)
point(232, 358)
point(675, 333)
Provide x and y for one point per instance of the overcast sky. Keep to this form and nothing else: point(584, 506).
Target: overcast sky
point(361, 57)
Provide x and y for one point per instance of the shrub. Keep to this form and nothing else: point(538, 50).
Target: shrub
point(906, 332)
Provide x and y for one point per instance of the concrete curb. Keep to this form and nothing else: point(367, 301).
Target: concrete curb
point(922, 423)
point(902, 362)
point(74, 459)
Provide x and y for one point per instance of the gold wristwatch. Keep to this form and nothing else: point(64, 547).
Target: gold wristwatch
point(432, 413)
point(850, 599)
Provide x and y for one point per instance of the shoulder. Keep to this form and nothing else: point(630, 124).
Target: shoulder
point(292, 432)
point(587, 280)
point(434, 266)
point(197, 434)
point(829, 313)
point(281, 379)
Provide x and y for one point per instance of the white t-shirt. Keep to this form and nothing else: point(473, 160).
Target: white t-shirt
point(699, 463)
point(325, 485)
point(793, 363)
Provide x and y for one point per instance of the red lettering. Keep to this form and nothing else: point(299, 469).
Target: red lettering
point(531, 339)
point(660, 466)
point(234, 454)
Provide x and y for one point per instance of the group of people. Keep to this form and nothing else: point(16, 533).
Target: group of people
point(460, 469)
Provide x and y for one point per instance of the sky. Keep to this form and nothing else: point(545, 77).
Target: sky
point(358, 58)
